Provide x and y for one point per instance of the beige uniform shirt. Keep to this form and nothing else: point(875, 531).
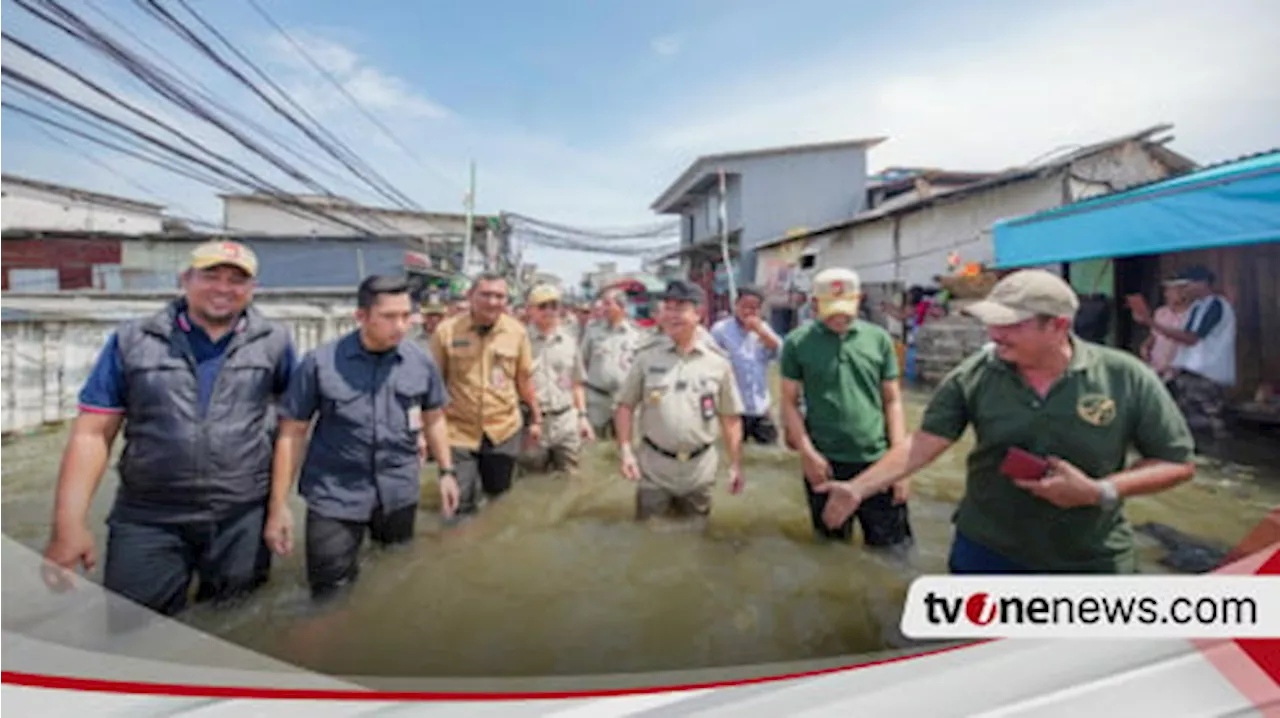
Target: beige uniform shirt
point(607, 353)
point(557, 366)
point(480, 372)
point(681, 399)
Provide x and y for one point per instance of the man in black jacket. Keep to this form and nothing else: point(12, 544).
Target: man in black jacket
point(194, 388)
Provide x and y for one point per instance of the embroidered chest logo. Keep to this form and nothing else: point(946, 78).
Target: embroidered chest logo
point(1096, 409)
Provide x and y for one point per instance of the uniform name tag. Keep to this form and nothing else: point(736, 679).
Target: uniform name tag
point(708, 403)
point(459, 343)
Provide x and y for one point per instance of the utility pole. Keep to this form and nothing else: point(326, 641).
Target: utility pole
point(724, 239)
point(470, 203)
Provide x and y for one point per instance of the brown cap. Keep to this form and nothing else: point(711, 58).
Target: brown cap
point(212, 254)
point(543, 293)
point(837, 291)
point(1025, 294)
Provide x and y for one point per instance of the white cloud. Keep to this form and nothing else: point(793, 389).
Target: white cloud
point(667, 45)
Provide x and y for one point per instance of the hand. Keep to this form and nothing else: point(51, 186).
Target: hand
point(753, 323)
point(1065, 486)
point(585, 430)
point(901, 492)
point(535, 433)
point(629, 468)
point(1139, 309)
point(449, 495)
point(278, 533)
point(736, 480)
point(843, 498)
point(67, 548)
point(817, 469)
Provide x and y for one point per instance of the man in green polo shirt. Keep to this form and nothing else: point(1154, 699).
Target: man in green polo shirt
point(846, 370)
point(1079, 406)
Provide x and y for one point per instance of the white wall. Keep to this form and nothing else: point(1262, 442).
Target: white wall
point(24, 207)
point(46, 362)
point(255, 217)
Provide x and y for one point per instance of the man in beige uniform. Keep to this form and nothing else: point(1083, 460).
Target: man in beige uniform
point(557, 380)
point(486, 360)
point(682, 387)
point(608, 347)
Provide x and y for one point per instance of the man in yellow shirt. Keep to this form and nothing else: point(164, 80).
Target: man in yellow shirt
point(486, 360)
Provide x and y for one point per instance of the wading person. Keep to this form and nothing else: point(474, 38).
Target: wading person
point(557, 379)
point(845, 370)
point(193, 387)
point(683, 390)
point(1055, 417)
point(1204, 366)
point(751, 345)
point(608, 346)
point(376, 398)
point(486, 360)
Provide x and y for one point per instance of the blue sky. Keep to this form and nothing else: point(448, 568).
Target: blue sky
point(581, 112)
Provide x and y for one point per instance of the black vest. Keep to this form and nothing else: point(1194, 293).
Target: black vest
point(178, 465)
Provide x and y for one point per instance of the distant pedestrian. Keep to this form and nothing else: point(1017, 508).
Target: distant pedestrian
point(1204, 366)
point(377, 401)
point(557, 374)
point(751, 345)
point(609, 345)
point(1055, 419)
point(487, 363)
point(193, 387)
point(845, 370)
point(683, 388)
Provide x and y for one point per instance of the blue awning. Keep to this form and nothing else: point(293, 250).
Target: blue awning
point(1231, 204)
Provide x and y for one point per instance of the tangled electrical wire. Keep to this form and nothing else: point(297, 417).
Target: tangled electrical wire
point(649, 241)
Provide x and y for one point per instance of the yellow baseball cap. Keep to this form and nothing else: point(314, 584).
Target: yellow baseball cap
point(543, 293)
point(212, 254)
point(838, 291)
point(1024, 294)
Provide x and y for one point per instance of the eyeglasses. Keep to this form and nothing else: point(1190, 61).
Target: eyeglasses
point(548, 305)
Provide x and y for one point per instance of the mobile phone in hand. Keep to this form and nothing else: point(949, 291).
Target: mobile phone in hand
point(1023, 465)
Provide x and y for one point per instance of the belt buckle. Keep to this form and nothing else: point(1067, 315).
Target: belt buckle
point(682, 456)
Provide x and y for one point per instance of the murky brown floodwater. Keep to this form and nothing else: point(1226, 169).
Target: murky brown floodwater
point(556, 579)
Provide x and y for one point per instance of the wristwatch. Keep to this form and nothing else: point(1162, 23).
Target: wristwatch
point(448, 472)
point(1110, 497)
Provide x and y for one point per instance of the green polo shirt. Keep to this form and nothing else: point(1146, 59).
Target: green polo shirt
point(1106, 403)
point(843, 380)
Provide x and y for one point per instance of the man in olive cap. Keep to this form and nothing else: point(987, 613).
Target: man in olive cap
point(1054, 418)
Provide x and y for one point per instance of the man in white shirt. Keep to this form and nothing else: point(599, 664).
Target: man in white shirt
point(1205, 364)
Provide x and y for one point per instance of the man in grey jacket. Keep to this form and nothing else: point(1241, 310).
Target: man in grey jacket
point(193, 387)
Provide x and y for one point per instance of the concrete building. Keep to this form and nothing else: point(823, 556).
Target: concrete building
point(767, 193)
point(907, 242)
point(32, 207)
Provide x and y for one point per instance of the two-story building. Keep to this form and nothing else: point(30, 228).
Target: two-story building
point(753, 196)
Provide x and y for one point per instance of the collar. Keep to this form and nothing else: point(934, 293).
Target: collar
point(1083, 356)
point(556, 332)
point(351, 347)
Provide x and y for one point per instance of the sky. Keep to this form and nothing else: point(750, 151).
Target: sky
point(582, 113)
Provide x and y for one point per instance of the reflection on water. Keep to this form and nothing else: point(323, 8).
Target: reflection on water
point(555, 578)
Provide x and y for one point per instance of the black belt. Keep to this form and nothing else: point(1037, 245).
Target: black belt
point(678, 456)
point(597, 389)
point(558, 412)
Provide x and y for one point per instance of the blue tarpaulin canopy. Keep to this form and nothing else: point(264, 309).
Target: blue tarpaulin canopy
point(1231, 204)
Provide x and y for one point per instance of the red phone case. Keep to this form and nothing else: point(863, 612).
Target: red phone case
point(1023, 465)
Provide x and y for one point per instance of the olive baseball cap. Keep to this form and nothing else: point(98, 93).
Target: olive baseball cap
point(235, 254)
point(1025, 294)
point(838, 291)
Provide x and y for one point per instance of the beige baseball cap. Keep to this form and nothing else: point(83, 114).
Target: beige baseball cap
point(543, 293)
point(838, 291)
point(1024, 294)
point(212, 254)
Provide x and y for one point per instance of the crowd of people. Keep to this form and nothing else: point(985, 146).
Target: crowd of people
point(220, 418)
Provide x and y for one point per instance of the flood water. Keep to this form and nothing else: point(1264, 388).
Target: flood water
point(555, 578)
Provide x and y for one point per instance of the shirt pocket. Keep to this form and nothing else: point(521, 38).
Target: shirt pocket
point(503, 367)
point(347, 404)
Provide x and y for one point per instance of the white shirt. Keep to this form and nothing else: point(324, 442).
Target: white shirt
point(1214, 356)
